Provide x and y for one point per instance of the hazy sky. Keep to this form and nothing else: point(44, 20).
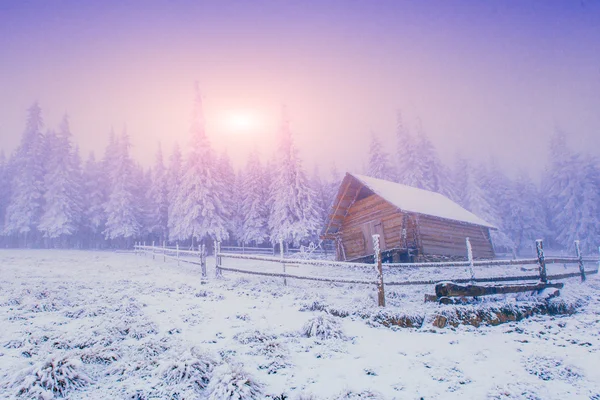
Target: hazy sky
point(485, 77)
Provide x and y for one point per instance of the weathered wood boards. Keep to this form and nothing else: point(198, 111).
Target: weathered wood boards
point(358, 213)
point(451, 289)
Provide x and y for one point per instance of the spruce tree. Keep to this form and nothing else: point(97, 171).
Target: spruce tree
point(63, 206)
point(293, 217)
point(253, 207)
point(4, 189)
point(199, 201)
point(174, 173)
point(227, 179)
point(94, 198)
point(526, 221)
point(379, 162)
point(27, 191)
point(122, 215)
point(159, 198)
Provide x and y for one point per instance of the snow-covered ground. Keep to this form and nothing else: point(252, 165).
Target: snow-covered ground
point(125, 326)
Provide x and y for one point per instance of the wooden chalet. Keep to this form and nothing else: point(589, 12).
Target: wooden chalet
point(413, 224)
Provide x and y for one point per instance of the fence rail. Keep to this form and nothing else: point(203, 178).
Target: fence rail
point(378, 276)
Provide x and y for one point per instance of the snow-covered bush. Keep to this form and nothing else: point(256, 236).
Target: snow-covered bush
point(253, 336)
point(314, 306)
point(100, 355)
point(547, 369)
point(365, 394)
point(322, 327)
point(53, 378)
point(192, 369)
point(231, 382)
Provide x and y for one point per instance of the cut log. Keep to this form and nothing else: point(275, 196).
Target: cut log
point(450, 289)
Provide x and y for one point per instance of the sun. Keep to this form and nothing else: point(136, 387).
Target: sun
point(241, 122)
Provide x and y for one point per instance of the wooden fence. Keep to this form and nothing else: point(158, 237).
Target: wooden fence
point(378, 276)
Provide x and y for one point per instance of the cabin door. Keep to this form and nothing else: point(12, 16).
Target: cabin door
point(373, 228)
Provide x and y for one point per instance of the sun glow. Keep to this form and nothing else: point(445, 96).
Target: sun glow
point(241, 122)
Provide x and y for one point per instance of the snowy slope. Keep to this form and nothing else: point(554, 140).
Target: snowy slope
point(136, 323)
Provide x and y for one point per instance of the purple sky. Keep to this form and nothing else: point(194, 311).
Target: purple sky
point(485, 77)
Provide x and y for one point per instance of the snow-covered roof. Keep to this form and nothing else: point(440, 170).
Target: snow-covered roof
point(411, 199)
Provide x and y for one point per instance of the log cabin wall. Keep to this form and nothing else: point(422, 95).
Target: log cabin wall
point(373, 214)
point(447, 238)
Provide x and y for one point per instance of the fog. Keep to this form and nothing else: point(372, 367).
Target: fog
point(485, 78)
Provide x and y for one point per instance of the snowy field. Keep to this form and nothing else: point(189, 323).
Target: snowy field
point(121, 326)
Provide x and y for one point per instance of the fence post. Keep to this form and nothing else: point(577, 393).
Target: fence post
point(541, 261)
point(164, 251)
point(580, 260)
point(218, 272)
point(203, 260)
point(380, 290)
point(177, 253)
point(281, 256)
point(470, 259)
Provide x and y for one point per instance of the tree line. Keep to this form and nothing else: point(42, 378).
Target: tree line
point(49, 197)
point(563, 208)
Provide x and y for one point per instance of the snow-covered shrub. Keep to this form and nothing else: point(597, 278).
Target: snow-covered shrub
point(253, 336)
point(365, 394)
point(151, 348)
point(192, 369)
point(314, 306)
point(100, 355)
point(276, 356)
point(322, 327)
point(548, 369)
point(55, 377)
point(231, 382)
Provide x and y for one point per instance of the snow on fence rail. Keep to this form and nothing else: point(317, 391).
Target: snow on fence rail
point(378, 280)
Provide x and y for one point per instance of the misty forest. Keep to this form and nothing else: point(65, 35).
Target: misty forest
point(51, 198)
point(299, 200)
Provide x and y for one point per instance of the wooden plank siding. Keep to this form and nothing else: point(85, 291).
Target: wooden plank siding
point(430, 235)
point(365, 211)
point(446, 237)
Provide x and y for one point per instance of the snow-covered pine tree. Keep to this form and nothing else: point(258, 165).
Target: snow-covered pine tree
point(227, 178)
point(379, 161)
point(159, 198)
point(63, 211)
point(404, 151)
point(237, 217)
point(436, 177)
point(253, 209)
point(588, 225)
point(109, 162)
point(122, 223)
point(322, 200)
point(410, 168)
point(526, 221)
point(559, 186)
point(27, 190)
point(174, 173)
point(143, 206)
point(199, 201)
point(4, 190)
point(578, 218)
point(293, 217)
point(475, 199)
point(94, 200)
